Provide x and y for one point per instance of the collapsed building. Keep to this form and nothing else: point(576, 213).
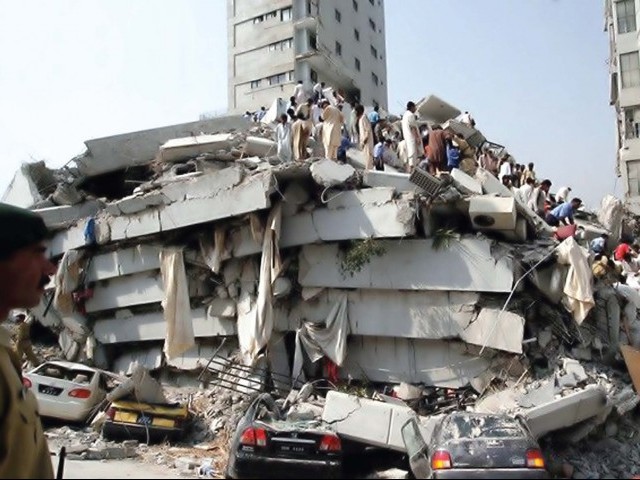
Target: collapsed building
point(186, 247)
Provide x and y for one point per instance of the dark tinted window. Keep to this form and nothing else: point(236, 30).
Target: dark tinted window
point(477, 426)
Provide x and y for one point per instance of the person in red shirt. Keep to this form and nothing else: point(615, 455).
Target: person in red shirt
point(622, 252)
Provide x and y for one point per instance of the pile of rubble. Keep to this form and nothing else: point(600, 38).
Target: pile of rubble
point(193, 251)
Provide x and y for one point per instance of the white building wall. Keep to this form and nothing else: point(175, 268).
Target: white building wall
point(627, 103)
point(251, 59)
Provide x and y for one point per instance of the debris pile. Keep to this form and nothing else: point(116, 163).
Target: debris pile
point(204, 255)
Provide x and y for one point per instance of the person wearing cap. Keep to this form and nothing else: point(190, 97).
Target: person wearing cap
point(24, 272)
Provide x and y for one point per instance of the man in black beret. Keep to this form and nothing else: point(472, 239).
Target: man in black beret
point(25, 270)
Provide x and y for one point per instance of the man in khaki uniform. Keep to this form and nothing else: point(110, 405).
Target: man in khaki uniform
point(24, 272)
point(23, 340)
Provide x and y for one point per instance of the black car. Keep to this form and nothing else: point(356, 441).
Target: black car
point(474, 445)
point(265, 445)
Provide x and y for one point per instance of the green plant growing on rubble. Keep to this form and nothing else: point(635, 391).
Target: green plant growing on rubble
point(359, 254)
point(442, 238)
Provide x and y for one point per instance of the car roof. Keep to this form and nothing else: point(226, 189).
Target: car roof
point(69, 365)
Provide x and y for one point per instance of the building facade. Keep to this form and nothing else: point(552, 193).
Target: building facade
point(621, 22)
point(275, 43)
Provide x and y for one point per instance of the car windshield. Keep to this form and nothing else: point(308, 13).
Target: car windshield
point(487, 426)
point(63, 373)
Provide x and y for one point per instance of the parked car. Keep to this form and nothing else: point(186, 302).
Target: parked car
point(265, 445)
point(66, 390)
point(474, 445)
point(149, 423)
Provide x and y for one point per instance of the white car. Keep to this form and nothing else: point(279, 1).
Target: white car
point(66, 390)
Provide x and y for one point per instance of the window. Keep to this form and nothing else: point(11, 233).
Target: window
point(313, 41)
point(355, 5)
point(288, 43)
point(285, 14)
point(273, 47)
point(356, 34)
point(259, 19)
point(632, 123)
point(277, 79)
point(255, 84)
point(372, 24)
point(374, 52)
point(633, 175)
point(271, 15)
point(314, 76)
point(290, 75)
point(338, 49)
point(626, 16)
point(338, 16)
point(372, 2)
point(374, 79)
point(630, 69)
point(358, 64)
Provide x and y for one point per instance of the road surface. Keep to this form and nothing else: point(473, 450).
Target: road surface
point(98, 469)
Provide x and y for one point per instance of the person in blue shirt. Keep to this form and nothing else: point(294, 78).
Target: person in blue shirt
point(563, 213)
point(378, 153)
point(374, 118)
point(345, 144)
point(599, 245)
point(453, 155)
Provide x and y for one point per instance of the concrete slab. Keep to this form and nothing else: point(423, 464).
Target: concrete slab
point(632, 360)
point(113, 153)
point(466, 181)
point(367, 421)
point(329, 173)
point(66, 215)
point(149, 357)
point(151, 326)
point(399, 181)
point(179, 149)
point(550, 281)
point(121, 292)
point(358, 198)
point(23, 190)
point(467, 265)
point(222, 307)
point(260, 147)
point(394, 360)
point(421, 315)
point(491, 185)
point(137, 203)
point(497, 330)
point(390, 220)
point(126, 261)
point(69, 239)
point(567, 411)
point(493, 213)
point(436, 109)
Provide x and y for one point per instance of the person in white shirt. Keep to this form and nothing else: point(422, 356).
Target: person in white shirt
point(318, 89)
point(411, 134)
point(284, 139)
point(563, 194)
point(467, 119)
point(505, 169)
point(298, 93)
point(539, 197)
point(525, 192)
point(316, 114)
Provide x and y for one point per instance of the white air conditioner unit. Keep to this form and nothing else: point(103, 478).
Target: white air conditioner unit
point(493, 213)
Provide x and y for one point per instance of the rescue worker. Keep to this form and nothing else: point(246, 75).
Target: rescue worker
point(24, 272)
point(23, 340)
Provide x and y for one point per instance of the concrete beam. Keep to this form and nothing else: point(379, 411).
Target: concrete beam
point(466, 181)
point(399, 181)
point(497, 330)
point(137, 203)
point(420, 315)
point(466, 265)
point(329, 173)
point(68, 239)
point(126, 261)
point(198, 357)
point(393, 360)
point(367, 421)
point(63, 216)
point(436, 109)
point(109, 154)
point(121, 292)
point(567, 411)
point(178, 149)
point(151, 326)
point(149, 357)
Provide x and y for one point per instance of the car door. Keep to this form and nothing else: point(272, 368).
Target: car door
point(417, 449)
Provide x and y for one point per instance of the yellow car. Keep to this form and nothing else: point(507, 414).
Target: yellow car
point(149, 423)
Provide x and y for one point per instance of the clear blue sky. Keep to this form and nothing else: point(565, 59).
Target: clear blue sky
point(532, 72)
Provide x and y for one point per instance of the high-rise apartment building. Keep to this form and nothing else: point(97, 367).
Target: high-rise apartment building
point(621, 17)
point(275, 43)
